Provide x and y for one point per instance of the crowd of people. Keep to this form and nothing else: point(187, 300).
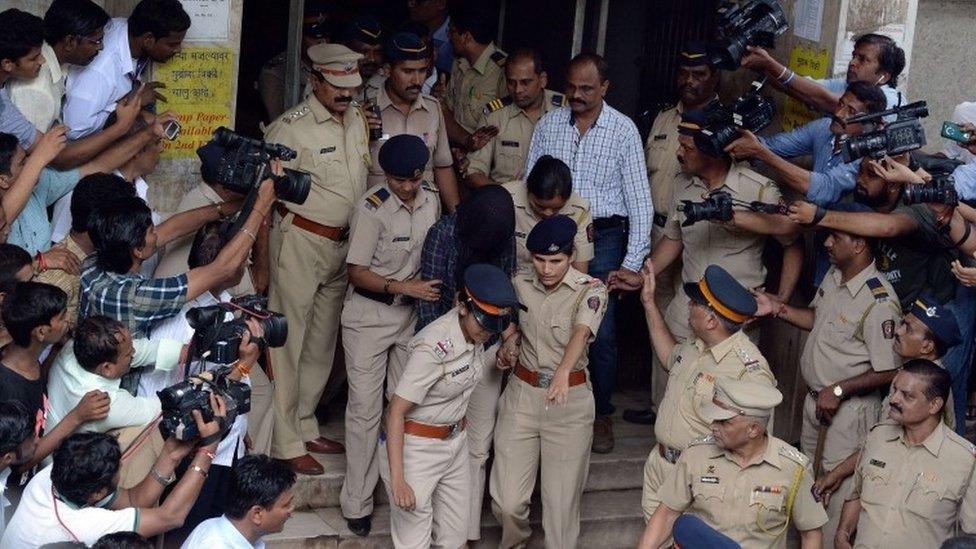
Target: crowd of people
point(467, 236)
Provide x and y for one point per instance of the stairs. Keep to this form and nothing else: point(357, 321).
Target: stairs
point(611, 509)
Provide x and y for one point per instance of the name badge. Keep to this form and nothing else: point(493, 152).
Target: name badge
point(327, 150)
point(661, 137)
point(402, 239)
point(510, 143)
point(708, 480)
point(461, 370)
point(877, 463)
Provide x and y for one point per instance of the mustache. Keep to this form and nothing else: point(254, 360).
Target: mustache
point(414, 88)
point(576, 101)
point(895, 407)
point(343, 99)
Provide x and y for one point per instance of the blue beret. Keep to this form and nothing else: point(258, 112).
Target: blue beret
point(692, 122)
point(551, 235)
point(405, 46)
point(718, 290)
point(691, 531)
point(404, 155)
point(492, 296)
point(693, 54)
point(939, 319)
point(366, 29)
point(210, 154)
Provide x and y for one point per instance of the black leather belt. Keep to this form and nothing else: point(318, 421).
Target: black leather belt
point(602, 223)
point(660, 220)
point(386, 299)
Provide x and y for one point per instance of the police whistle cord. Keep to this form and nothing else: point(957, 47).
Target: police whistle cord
point(790, 499)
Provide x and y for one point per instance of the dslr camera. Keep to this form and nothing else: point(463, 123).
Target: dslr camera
point(753, 23)
point(941, 190)
point(717, 205)
point(179, 400)
point(903, 135)
point(752, 111)
point(247, 162)
point(216, 339)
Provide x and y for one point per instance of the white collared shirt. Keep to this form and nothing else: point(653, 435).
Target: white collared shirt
point(218, 533)
point(39, 99)
point(4, 502)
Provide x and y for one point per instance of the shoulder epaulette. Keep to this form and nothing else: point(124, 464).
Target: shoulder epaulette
point(443, 348)
point(558, 100)
point(428, 186)
point(968, 446)
point(793, 454)
point(296, 114)
point(377, 199)
point(499, 57)
point(877, 289)
point(704, 439)
point(747, 360)
point(497, 104)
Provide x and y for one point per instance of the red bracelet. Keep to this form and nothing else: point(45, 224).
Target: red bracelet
point(207, 453)
point(41, 264)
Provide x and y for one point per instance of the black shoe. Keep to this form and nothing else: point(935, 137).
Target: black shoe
point(360, 526)
point(640, 417)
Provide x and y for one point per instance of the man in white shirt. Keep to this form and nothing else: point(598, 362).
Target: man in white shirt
point(259, 502)
point(154, 32)
point(17, 443)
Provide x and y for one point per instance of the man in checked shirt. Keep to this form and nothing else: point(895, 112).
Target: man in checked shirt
point(603, 150)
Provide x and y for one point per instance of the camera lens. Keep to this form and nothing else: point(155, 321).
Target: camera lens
point(275, 329)
point(293, 186)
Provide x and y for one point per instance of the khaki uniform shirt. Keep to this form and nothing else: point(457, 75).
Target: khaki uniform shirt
point(425, 120)
point(853, 329)
point(547, 326)
point(442, 371)
point(914, 496)
point(503, 158)
point(386, 235)
point(336, 154)
point(471, 86)
point(692, 370)
point(747, 504)
point(576, 208)
point(71, 284)
point(271, 84)
point(948, 413)
point(661, 152)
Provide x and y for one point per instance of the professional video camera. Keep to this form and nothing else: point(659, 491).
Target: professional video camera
point(754, 23)
point(719, 206)
point(179, 400)
point(216, 340)
point(247, 162)
point(903, 135)
point(751, 111)
point(941, 190)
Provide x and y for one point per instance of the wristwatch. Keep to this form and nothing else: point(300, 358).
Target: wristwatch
point(838, 391)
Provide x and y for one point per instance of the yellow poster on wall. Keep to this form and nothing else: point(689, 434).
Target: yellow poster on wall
point(199, 81)
point(811, 63)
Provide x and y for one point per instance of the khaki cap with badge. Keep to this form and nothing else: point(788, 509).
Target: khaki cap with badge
point(337, 64)
point(734, 397)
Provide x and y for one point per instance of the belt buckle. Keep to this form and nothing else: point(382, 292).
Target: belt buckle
point(453, 431)
point(544, 380)
point(671, 454)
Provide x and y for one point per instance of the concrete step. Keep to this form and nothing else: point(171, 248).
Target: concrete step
point(610, 519)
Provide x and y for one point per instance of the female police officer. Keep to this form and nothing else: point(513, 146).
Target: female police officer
point(423, 461)
point(546, 411)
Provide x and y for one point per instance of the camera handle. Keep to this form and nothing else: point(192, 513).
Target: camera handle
point(249, 200)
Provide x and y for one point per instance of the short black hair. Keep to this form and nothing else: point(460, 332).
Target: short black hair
point(549, 178)
point(207, 243)
point(959, 542)
point(116, 228)
point(473, 18)
point(85, 464)
point(29, 305)
point(122, 540)
point(159, 18)
point(869, 94)
point(891, 58)
point(256, 480)
point(96, 341)
point(8, 148)
point(529, 54)
point(22, 32)
point(602, 68)
point(16, 425)
point(73, 18)
point(93, 190)
point(937, 377)
point(13, 258)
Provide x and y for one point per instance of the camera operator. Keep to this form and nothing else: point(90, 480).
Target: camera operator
point(876, 60)
point(830, 176)
point(704, 243)
point(78, 497)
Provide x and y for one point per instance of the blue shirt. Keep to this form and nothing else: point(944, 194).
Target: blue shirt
point(12, 121)
point(965, 177)
point(831, 176)
point(32, 229)
point(445, 53)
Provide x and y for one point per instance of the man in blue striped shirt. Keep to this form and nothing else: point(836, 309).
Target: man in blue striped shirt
point(603, 150)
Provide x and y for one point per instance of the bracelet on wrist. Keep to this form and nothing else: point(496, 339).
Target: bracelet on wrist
point(41, 263)
point(207, 452)
point(158, 477)
point(783, 73)
point(819, 215)
point(200, 470)
point(386, 285)
point(245, 370)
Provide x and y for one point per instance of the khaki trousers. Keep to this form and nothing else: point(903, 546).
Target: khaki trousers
point(141, 445)
point(481, 413)
point(308, 282)
point(845, 436)
point(375, 338)
point(656, 471)
point(260, 420)
point(530, 434)
point(438, 473)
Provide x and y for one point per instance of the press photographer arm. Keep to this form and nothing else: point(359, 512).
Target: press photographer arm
point(92, 407)
point(748, 146)
point(81, 150)
point(798, 87)
point(122, 151)
point(868, 224)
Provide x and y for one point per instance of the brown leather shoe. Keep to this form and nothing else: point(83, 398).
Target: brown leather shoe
point(603, 435)
point(324, 445)
point(305, 465)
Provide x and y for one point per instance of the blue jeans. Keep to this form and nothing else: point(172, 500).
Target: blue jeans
point(609, 249)
point(958, 359)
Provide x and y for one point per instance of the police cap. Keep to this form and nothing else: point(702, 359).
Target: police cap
point(723, 294)
point(693, 54)
point(938, 319)
point(337, 64)
point(692, 122)
point(405, 46)
point(404, 156)
point(552, 235)
point(365, 29)
point(491, 296)
point(736, 397)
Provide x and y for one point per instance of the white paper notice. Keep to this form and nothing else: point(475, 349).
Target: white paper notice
point(808, 19)
point(210, 20)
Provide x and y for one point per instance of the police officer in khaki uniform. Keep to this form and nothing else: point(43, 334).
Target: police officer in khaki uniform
point(423, 453)
point(713, 242)
point(477, 75)
point(515, 116)
point(848, 358)
point(696, 83)
point(913, 486)
point(740, 480)
point(546, 412)
point(404, 109)
point(388, 231)
point(308, 248)
point(547, 192)
point(718, 307)
point(364, 35)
